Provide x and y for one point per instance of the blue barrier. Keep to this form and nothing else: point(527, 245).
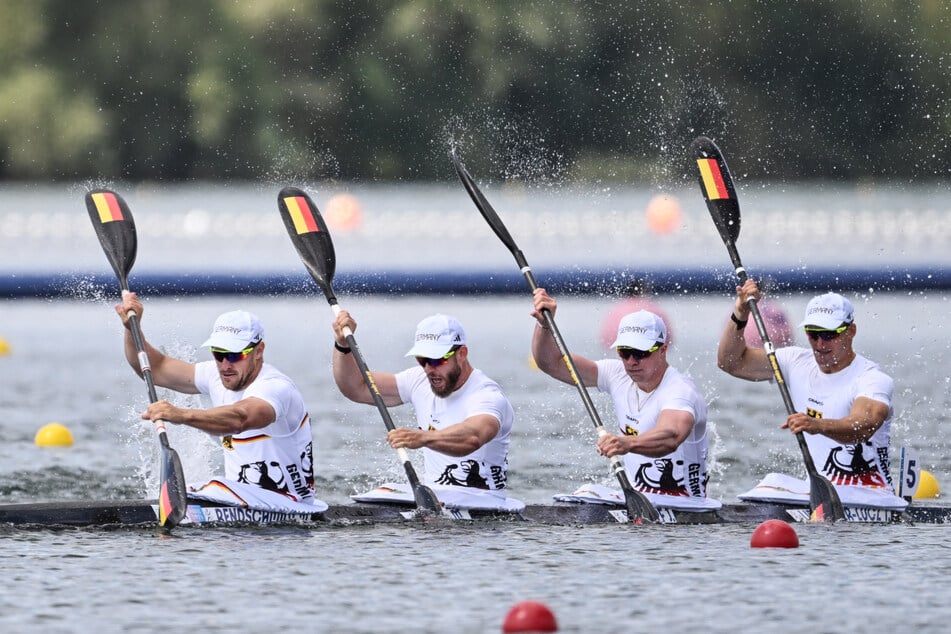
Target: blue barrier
point(574, 281)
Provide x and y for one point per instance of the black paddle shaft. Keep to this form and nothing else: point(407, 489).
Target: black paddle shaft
point(639, 507)
point(718, 189)
point(115, 227)
point(311, 237)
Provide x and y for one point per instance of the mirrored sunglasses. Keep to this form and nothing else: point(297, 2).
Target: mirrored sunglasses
point(435, 363)
point(825, 334)
point(626, 353)
point(231, 357)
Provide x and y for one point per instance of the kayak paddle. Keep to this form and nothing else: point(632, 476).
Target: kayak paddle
point(639, 508)
point(311, 238)
point(113, 223)
point(716, 183)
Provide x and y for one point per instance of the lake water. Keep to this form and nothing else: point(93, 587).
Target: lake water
point(65, 364)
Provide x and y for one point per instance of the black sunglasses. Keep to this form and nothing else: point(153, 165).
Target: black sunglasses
point(627, 353)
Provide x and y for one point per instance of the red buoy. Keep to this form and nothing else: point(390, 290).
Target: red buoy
point(529, 616)
point(774, 534)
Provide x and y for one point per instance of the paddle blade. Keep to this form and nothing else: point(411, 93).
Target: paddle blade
point(173, 498)
point(824, 500)
point(113, 223)
point(483, 205)
point(426, 499)
point(639, 508)
point(310, 236)
point(716, 183)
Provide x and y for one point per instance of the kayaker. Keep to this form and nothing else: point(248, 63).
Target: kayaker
point(256, 411)
point(661, 415)
point(843, 401)
point(464, 419)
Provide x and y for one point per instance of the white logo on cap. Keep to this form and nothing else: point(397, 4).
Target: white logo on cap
point(639, 329)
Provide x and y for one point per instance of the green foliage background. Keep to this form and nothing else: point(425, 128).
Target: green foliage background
point(378, 90)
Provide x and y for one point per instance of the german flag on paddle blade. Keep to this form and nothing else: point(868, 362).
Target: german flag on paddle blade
point(164, 504)
point(301, 214)
point(715, 179)
point(712, 177)
point(107, 206)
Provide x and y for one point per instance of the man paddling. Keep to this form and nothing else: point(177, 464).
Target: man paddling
point(662, 417)
point(843, 401)
point(257, 411)
point(464, 419)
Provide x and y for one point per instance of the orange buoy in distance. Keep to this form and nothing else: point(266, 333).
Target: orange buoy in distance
point(529, 616)
point(774, 534)
point(664, 214)
point(343, 213)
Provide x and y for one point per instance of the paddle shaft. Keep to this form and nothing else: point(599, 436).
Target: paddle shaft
point(742, 276)
point(617, 464)
point(311, 238)
point(375, 393)
point(112, 220)
point(716, 183)
point(638, 506)
point(146, 367)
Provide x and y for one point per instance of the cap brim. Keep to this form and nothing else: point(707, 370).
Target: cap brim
point(628, 340)
point(231, 344)
point(429, 350)
point(819, 322)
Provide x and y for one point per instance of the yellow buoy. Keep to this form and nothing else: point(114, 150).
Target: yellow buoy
point(4, 346)
point(927, 486)
point(53, 435)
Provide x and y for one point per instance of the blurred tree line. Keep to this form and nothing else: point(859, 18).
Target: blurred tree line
point(379, 90)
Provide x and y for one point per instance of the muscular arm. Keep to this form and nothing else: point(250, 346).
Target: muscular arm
point(673, 427)
point(166, 372)
point(545, 351)
point(460, 439)
point(249, 413)
point(733, 355)
point(350, 381)
point(347, 373)
point(863, 420)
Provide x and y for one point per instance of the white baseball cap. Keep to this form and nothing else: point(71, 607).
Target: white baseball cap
point(436, 336)
point(828, 312)
point(235, 331)
point(641, 330)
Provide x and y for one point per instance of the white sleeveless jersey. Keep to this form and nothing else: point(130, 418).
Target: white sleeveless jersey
point(484, 468)
point(278, 457)
point(683, 472)
point(823, 395)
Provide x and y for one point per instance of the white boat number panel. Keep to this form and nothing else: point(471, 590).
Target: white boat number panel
point(666, 516)
point(860, 514)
